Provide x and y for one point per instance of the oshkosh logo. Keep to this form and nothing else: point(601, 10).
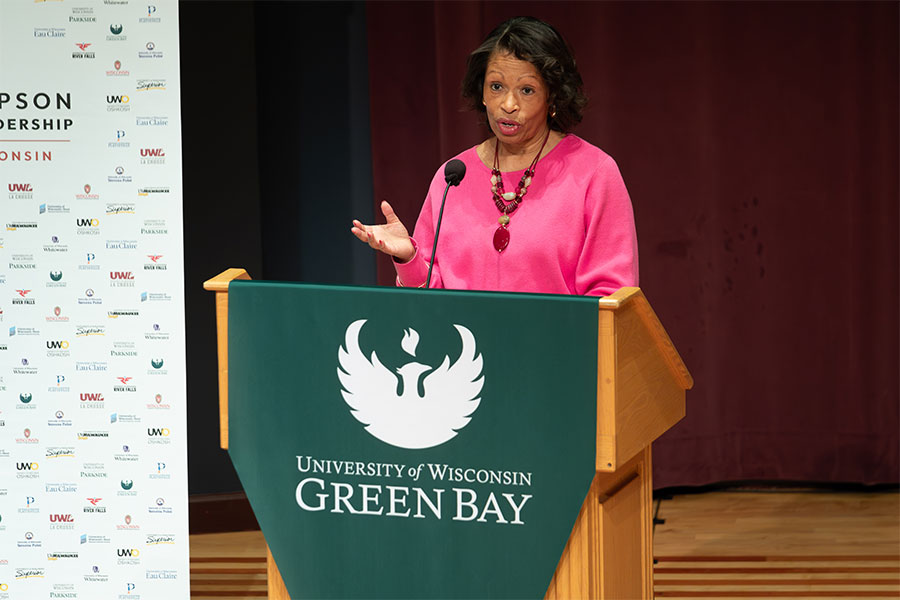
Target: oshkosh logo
point(406, 419)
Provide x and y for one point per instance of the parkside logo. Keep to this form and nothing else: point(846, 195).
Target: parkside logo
point(407, 420)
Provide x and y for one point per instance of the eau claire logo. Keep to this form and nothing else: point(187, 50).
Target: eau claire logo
point(390, 405)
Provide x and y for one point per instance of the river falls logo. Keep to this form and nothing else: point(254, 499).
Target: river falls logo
point(408, 420)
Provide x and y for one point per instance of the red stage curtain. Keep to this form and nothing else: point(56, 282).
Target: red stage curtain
point(759, 142)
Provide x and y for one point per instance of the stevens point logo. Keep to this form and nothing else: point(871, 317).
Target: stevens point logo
point(408, 420)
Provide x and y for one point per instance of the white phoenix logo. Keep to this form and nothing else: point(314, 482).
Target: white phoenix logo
point(408, 420)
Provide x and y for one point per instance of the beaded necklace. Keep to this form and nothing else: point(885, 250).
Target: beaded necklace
point(508, 202)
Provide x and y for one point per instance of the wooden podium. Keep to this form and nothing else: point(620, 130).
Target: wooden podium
point(641, 384)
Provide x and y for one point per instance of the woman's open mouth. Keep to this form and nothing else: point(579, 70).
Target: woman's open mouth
point(508, 127)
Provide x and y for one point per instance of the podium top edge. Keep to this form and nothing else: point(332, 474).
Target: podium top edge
point(416, 291)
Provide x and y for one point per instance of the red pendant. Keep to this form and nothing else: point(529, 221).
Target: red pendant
point(501, 239)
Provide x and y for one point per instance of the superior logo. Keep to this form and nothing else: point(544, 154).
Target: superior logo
point(408, 420)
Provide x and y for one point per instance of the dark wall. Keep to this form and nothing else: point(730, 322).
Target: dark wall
point(759, 143)
point(277, 162)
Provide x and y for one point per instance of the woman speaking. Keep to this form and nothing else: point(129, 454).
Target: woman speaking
point(540, 209)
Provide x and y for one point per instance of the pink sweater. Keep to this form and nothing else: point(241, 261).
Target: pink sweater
point(572, 234)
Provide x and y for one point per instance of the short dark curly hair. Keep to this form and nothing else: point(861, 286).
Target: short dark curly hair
point(537, 42)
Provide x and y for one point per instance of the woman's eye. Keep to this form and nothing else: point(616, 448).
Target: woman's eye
point(528, 91)
point(495, 87)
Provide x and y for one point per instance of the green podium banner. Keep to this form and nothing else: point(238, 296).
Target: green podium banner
point(400, 443)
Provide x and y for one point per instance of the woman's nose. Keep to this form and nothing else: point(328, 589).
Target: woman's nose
point(509, 103)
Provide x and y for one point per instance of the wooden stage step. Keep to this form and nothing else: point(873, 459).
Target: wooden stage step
point(721, 545)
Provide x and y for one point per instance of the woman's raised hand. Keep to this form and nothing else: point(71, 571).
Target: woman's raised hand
point(391, 238)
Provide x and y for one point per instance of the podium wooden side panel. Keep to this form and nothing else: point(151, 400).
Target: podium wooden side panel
point(219, 284)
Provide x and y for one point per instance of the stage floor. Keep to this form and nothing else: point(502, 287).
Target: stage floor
point(747, 544)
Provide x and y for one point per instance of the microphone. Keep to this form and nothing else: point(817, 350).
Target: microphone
point(453, 174)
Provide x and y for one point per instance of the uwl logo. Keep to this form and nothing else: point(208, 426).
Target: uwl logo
point(20, 187)
point(152, 152)
point(408, 420)
point(121, 275)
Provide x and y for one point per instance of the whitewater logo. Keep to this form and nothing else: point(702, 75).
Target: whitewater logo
point(408, 420)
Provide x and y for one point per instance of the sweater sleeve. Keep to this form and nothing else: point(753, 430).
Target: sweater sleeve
point(415, 272)
point(609, 258)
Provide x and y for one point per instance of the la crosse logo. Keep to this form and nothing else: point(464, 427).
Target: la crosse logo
point(408, 420)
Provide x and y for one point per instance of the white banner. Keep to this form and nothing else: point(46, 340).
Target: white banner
point(93, 459)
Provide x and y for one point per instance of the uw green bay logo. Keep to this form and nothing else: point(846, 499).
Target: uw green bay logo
point(127, 484)
point(25, 398)
point(157, 363)
point(55, 275)
point(406, 419)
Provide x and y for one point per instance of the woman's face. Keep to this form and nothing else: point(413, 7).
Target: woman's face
point(516, 99)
